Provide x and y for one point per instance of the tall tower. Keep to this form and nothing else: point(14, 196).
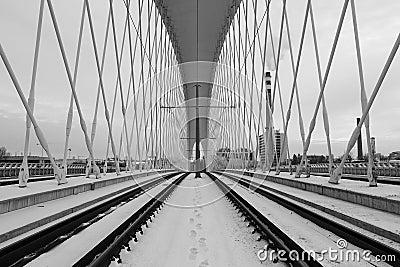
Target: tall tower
point(268, 155)
point(268, 87)
point(359, 144)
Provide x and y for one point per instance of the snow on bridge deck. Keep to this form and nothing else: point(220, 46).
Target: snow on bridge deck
point(12, 197)
point(45, 202)
point(384, 197)
point(374, 223)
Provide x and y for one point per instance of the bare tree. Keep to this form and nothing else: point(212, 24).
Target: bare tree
point(3, 152)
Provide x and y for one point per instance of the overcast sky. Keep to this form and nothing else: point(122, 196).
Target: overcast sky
point(379, 24)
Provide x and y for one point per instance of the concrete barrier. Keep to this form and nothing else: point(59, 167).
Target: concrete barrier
point(372, 201)
point(358, 221)
point(15, 203)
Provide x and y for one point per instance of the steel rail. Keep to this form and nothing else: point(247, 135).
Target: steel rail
point(110, 246)
point(350, 235)
point(26, 249)
point(275, 236)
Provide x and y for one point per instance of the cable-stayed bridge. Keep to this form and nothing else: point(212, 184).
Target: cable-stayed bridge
point(192, 125)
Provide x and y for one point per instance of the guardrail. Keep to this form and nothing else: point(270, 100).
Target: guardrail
point(10, 170)
point(381, 169)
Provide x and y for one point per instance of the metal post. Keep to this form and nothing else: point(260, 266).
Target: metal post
point(23, 175)
point(39, 133)
point(70, 80)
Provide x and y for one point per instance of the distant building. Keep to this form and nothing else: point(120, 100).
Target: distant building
point(72, 161)
point(315, 159)
point(241, 153)
point(40, 160)
point(395, 155)
point(31, 159)
point(274, 151)
point(373, 145)
point(280, 150)
point(266, 141)
point(261, 147)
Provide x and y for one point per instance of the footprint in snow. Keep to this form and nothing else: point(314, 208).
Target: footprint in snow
point(203, 245)
point(193, 233)
point(202, 242)
point(204, 263)
point(193, 253)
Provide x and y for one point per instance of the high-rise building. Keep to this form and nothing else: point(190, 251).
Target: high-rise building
point(270, 142)
point(268, 87)
point(274, 146)
point(266, 140)
point(280, 150)
point(261, 147)
point(373, 145)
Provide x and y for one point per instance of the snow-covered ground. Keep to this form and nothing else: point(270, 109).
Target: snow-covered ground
point(73, 249)
point(21, 223)
point(196, 227)
point(308, 235)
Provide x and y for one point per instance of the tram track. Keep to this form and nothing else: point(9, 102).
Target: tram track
point(27, 249)
point(109, 248)
point(275, 237)
point(350, 235)
point(197, 227)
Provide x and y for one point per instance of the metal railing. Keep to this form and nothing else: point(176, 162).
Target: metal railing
point(11, 170)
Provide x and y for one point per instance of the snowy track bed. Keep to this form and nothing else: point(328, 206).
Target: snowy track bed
point(196, 227)
point(310, 234)
point(40, 248)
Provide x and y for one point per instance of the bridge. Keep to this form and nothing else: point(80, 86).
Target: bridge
point(199, 122)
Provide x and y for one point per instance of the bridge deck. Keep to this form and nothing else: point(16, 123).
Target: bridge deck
point(16, 223)
point(12, 197)
point(384, 197)
point(371, 222)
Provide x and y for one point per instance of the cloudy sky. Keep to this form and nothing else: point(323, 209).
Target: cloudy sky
point(379, 25)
